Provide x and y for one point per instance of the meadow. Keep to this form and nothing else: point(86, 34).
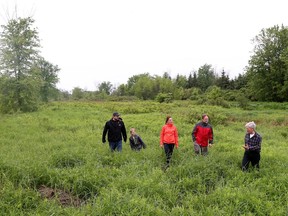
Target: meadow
point(59, 148)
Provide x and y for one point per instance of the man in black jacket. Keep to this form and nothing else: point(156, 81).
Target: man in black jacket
point(116, 129)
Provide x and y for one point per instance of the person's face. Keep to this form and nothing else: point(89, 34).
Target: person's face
point(115, 118)
point(170, 121)
point(206, 119)
point(250, 130)
point(132, 132)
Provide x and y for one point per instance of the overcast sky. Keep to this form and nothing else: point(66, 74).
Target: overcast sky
point(95, 41)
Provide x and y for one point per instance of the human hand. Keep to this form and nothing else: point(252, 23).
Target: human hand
point(246, 147)
point(210, 145)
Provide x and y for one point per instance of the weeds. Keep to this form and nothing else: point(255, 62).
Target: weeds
point(59, 149)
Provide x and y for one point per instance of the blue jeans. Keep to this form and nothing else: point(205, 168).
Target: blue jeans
point(116, 146)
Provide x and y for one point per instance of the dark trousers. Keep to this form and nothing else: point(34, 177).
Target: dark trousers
point(168, 148)
point(116, 146)
point(251, 156)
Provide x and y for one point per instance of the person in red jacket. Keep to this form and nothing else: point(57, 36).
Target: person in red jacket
point(169, 139)
point(202, 136)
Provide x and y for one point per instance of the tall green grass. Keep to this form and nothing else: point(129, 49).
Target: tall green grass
point(60, 147)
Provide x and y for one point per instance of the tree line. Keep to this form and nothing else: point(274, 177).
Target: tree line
point(27, 79)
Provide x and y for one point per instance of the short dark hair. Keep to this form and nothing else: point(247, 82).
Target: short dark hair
point(116, 114)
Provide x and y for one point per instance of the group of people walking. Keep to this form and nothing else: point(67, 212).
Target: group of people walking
point(115, 128)
point(202, 137)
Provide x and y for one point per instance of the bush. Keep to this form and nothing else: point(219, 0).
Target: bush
point(164, 97)
point(243, 101)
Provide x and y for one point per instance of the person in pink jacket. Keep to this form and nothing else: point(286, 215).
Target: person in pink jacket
point(169, 138)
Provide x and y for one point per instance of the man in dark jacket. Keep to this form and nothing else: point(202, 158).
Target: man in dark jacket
point(252, 146)
point(116, 129)
point(202, 136)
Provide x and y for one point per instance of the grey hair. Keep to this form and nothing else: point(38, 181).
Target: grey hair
point(250, 125)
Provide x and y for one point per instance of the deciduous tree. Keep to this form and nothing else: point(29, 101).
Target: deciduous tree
point(49, 78)
point(19, 45)
point(206, 77)
point(268, 67)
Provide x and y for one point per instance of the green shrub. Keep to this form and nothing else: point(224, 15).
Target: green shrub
point(164, 97)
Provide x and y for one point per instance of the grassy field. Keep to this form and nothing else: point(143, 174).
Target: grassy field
point(59, 149)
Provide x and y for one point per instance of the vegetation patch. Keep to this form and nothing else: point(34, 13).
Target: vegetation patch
point(62, 197)
point(68, 161)
point(57, 172)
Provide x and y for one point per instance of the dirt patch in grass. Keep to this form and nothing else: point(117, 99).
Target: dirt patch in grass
point(64, 198)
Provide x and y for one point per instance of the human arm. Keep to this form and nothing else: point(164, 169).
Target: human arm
point(141, 141)
point(211, 137)
point(194, 133)
point(245, 146)
point(176, 138)
point(162, 137)
point(105, 129)
point(123, 131)
point(131, 142)
point(246, 139)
